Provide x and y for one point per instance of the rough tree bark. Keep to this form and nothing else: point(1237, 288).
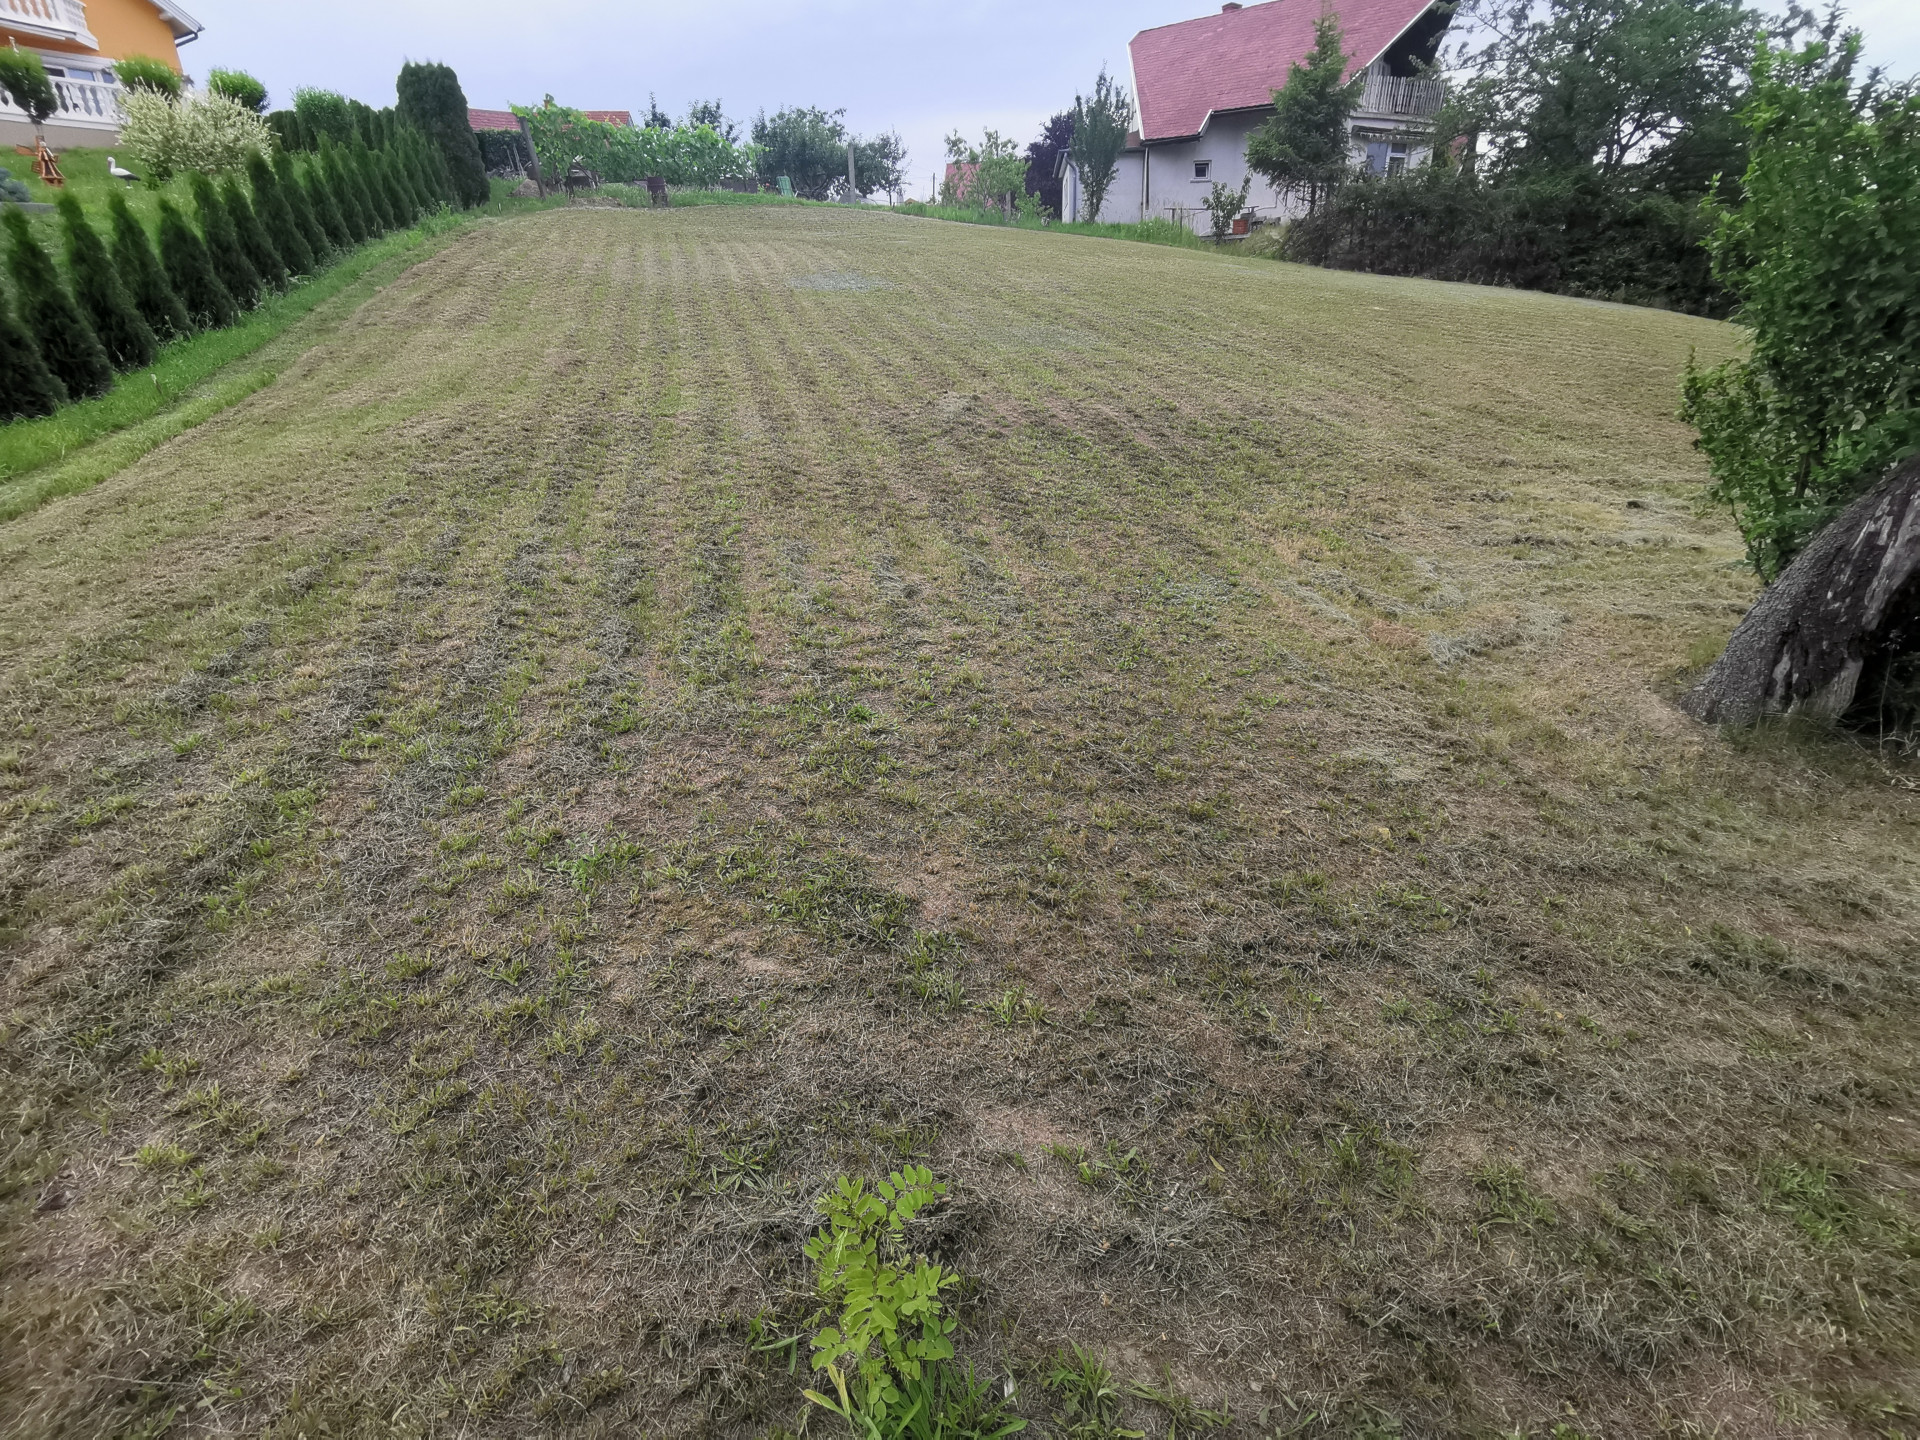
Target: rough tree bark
point(1826, 635)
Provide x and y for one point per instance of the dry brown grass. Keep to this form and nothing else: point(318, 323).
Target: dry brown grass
point(662, 709)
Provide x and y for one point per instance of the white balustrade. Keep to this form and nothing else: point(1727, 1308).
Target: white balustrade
point(1414, 95)
point(82, 102)
point(64, 17)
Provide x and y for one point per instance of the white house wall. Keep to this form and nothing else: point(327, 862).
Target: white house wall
point(1172, 192)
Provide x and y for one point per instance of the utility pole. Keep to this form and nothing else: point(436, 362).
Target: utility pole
point(853, 181)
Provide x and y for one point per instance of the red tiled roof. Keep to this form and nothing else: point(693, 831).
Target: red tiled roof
point(1234, 59)
point(506, 120)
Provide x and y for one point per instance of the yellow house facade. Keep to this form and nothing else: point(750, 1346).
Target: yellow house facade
point(79, 40)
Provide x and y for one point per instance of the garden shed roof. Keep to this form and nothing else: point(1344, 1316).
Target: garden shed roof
point(1235, 58)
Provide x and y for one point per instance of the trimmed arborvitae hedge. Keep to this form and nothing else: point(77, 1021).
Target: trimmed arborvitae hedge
point(195, 281)
point(286, 176)
point(270, 205)
point(399, 200)
point(230, 262)
point(317, 197)
point(128, 339)
point(432, 101)
point(345, 198)
point(254, 240)
point(139, 269)
point(67, 342)
point(27, 386)
point(361, 158)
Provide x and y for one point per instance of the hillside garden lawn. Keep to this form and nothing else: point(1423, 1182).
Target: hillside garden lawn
point(653, 711)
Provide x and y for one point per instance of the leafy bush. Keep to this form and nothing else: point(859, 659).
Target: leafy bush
point(239, 86)
point(1573, 233)
point(432, 102)
point(1224, 204)
point(322, 112)
point(1824, 257)
point(12, 189)
point(887, 1359)
point(680, 155)
point(210, 134)
point(143, 72)
point(25, 80)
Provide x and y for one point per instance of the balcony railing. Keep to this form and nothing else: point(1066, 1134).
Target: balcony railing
point(82, 102)
point(1415, 96)
point(64, 18)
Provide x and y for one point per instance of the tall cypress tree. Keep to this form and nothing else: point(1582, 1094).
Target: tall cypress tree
point(230, 262)
point(344, 198)
point(27, 386)
point(287, 171)
point(270, 204)
point(360, 158)
point(140, 272)
point(254, 240)
point(67, 342)
point(432, 101)
point(128, 338)
point(190, 268)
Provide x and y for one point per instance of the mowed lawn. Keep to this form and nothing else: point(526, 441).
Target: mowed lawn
point(658, 711)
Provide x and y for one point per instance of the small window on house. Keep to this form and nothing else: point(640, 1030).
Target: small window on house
point(1201, 168)
point(1396, 158)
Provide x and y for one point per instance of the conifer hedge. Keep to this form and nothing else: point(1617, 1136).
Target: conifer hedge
point(230, 262)
point(67, 342)
point(189, 267)
point(270, 205)
point(128, 339)
point(382, 171)
point(139, 269)
point(259, 249)
point(27, 386)
point(432, 101)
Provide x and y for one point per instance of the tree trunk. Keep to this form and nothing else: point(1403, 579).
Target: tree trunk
point(1828, 637)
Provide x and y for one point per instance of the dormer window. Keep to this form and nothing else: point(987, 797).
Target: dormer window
point(1202, 169)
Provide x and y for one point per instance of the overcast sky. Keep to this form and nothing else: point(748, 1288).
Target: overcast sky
point(921, 68)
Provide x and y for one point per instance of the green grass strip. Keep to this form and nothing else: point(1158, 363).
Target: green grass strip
point(62, 453)
point(1156, 231)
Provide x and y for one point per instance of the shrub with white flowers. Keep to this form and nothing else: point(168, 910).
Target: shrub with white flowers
point(207, 132)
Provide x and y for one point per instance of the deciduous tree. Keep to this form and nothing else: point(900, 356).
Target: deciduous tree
point(1100, 124)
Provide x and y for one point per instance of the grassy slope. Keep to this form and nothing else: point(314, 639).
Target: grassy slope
point(662, 708)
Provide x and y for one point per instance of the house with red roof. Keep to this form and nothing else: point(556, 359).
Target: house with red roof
point(1202, 86)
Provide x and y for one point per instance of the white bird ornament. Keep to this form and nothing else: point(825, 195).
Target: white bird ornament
point(119, 171)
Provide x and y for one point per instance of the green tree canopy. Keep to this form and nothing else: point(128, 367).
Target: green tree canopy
point(1823, 255)
point(1301, 148)
point(1100, 124)
point(806, 144)
point(1615, 85)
